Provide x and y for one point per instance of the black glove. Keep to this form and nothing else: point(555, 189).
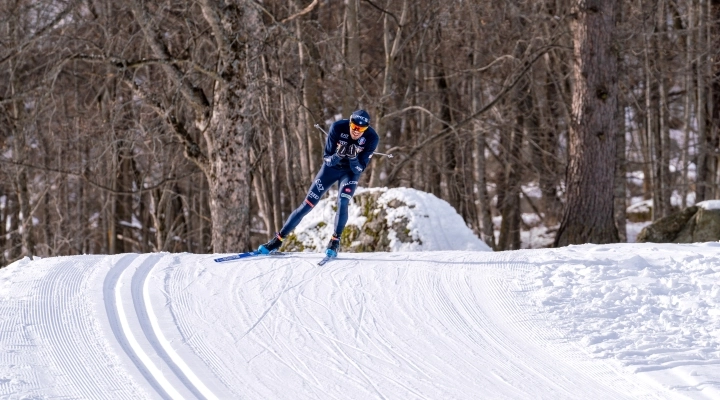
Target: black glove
point(352, 151)
point(355, 165)
point(332, 160)
point(341, 150)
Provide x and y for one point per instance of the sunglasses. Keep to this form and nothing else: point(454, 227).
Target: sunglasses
point(358, 128)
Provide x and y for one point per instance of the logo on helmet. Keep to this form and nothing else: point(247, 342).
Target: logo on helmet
point(360, 117)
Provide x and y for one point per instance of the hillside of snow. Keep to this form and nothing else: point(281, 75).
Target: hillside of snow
point(621, 321)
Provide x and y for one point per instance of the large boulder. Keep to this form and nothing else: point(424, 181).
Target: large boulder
point(666, 229)
point(382, 219)
point(700, 223)
point(704, 226)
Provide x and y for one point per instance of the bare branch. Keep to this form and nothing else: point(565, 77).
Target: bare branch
point(302, 12)
point(93, 183)
point(382, 10)
point(131, 64)
point(192, 149)
point(196, 97)
point(452, 128)
point(41, 32)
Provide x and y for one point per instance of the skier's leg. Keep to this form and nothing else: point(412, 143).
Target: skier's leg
point(325, 178)
point(347, 186)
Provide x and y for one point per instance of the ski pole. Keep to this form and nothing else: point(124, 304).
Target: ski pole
point(380, 154)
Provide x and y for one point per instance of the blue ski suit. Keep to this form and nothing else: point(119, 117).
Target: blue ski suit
point(345, 173)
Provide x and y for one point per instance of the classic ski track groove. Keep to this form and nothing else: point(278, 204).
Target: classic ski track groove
point(153, 332)
point(65, 322)
point(116, 289)
point(115, 318)
point(182, 301)
point(136, 329)
point(67, 330)
point(14, 339)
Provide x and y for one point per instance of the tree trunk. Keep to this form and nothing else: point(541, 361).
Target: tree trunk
point(713, 31)
point(4, 209)
point(702, 134)
point(228, 175)
point(487, 228)
point(290, 170)
point(230, 131)
point(20, 182)
point(620, 176)
point(588, 215)
point(652, 123)
point(509, 208)
point(621, 163)
point(311, 112)
point(351, 42)
point(664, 190)
point(272, 212)
point(542, 138)
point(688, 100)
point(14, 245)
point(390, 132)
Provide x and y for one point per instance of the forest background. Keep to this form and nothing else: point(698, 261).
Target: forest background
point(175, 125)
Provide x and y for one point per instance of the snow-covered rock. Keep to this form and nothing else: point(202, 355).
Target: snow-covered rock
point(700, 223)
point(382, 219)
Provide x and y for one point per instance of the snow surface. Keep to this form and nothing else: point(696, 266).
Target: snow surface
point(624, 321)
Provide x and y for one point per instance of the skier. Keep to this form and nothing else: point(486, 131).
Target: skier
point(350, 145)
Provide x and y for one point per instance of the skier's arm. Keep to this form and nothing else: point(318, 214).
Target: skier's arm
point(358, 162)
point(332, 141)
point(364, 156)
point(331, 157)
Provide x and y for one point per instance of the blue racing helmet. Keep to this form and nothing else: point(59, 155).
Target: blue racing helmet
point(360, 118)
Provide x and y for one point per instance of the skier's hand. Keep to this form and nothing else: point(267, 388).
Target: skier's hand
point(355, 165)
point(341, 150)
point(332, 160)
point(352, 151)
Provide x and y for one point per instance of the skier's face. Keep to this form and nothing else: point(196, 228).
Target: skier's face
point(356, 131)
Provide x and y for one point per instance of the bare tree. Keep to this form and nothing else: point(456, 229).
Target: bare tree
point(589, 214)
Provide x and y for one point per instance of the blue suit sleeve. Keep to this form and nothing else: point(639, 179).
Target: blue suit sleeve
point(364, 156)
point(332, 141)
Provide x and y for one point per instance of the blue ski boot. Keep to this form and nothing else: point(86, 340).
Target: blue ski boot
point(272, 245)
point(333, 246)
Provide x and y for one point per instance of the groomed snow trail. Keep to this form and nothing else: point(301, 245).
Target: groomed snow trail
point(433, 325)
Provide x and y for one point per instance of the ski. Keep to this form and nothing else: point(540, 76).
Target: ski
point(325, 260)
point(240, 256)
